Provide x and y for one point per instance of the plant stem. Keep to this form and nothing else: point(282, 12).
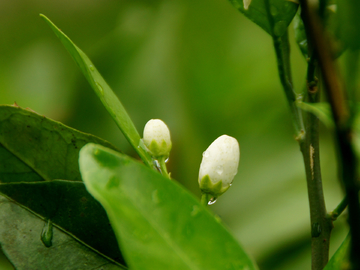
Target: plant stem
point(309, 145)
point(205, 198)
point(321, 224)
point(333, 215)
point(282, 49)
point(162, 165)
point(342, 118)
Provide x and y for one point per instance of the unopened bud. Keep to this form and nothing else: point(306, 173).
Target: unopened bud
point(219, 166)
point(157, 138)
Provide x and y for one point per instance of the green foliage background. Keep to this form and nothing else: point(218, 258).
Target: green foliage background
point(204, 69)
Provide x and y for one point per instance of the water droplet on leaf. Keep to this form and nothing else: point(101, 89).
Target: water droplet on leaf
point(155, 197)
point(91, 67)
point(47, 233)
point(273, 11)
point(195, 210)
point(100, 88)
point(280, 28)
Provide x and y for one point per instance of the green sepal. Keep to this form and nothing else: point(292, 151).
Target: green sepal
point(215, 190)
point(157, 150)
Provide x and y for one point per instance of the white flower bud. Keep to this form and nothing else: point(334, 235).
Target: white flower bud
point(157, 138)
point(219, 166)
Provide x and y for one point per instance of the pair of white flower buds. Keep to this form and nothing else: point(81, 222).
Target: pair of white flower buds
point(219, 164)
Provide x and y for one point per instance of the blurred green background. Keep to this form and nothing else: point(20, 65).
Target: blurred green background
point(203, 68)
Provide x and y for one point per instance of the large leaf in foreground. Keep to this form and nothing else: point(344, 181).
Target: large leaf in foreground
point(104, 92)
point(340, 260)
point(20, 240)
point(275, 21)
point(159, 225)
point(34, 150)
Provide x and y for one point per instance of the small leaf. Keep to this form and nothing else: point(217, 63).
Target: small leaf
point(321, 110)
point(104, 92)
point(276, 21)
point(158, 224)
point(20, 241)
point(340, 259)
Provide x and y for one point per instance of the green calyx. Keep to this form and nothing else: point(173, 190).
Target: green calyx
point(159, 150)
point(208, 187)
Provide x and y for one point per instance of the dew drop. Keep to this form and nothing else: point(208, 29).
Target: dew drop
point(47, 233)
point(219, 169)
point(212, 201)
point(273, 11)
point(100, 88)
point(166, 160)
point(279, 28)
point(195, 211)
point(91, 67)
point(155, 197)
point(156, 163)
point(206, 154)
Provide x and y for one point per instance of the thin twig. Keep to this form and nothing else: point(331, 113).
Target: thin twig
point(333, 215)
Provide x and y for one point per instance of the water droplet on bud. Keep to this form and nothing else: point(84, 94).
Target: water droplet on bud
point(205, 154)
point(219, 169)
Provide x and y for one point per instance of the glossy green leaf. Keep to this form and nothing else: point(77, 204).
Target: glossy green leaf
point(47, 149)
point(274, 21)
point(20, 240)
point(158, 224)
point(340, 259)
point(322, 110)
point(104, 92)
point(71, 208)
point(34, 150)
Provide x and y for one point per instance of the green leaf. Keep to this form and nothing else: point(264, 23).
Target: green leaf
point(322, 110)
point(47, 149)
point(20, 240)
point(349, 23)
point(163, 226)
point(104, 92)
point(71, 208)
point(340, 259)
point(34, 150)
point(275, 21)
